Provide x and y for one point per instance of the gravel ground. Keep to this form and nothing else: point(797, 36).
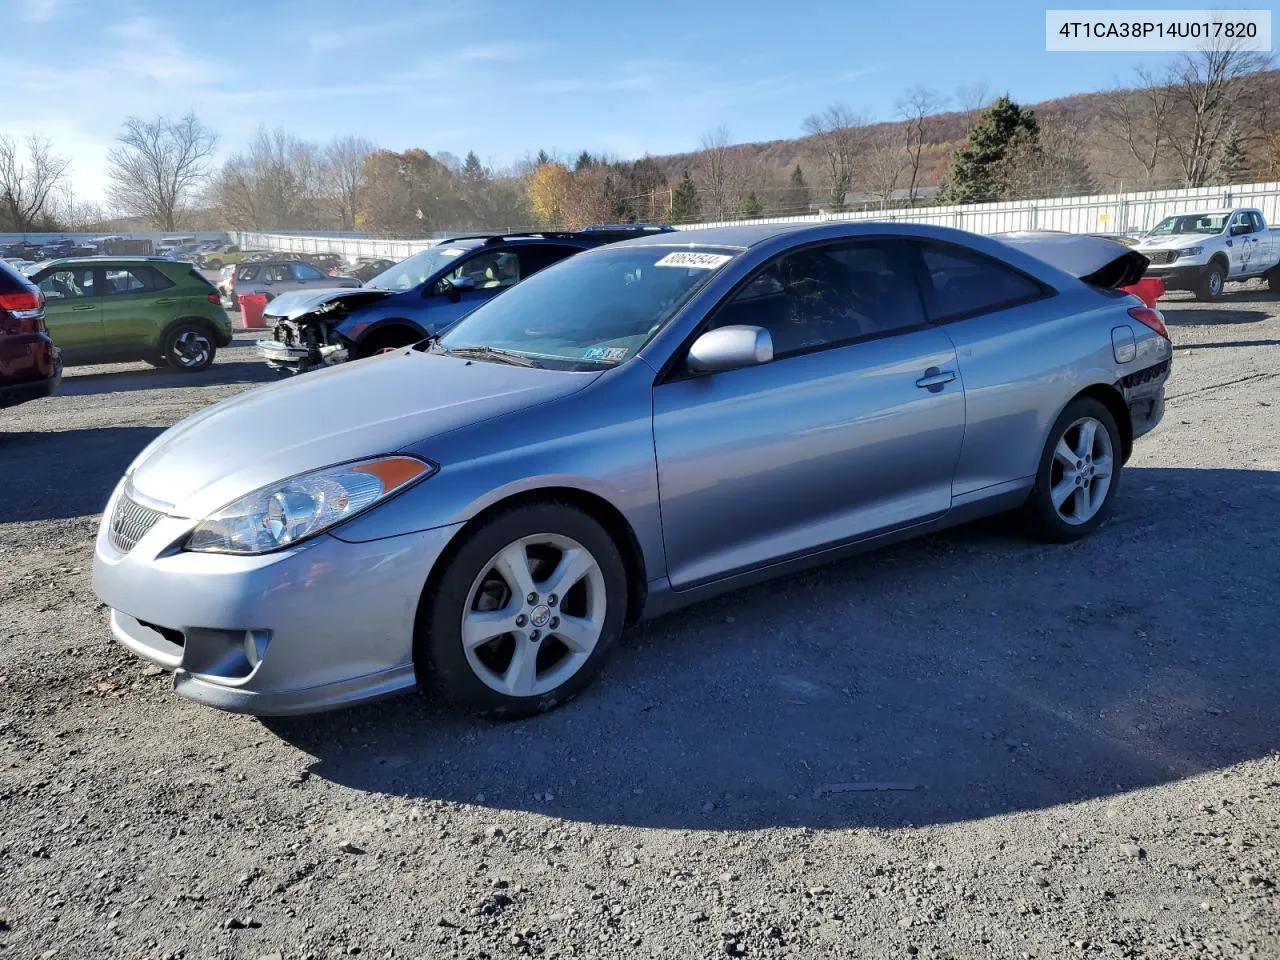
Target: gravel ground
point(967, 746)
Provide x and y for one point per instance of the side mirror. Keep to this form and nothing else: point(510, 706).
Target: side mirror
point(453, 288)
point(730, 348)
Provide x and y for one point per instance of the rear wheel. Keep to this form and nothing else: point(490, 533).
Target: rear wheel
point(189, 347)
point(1211, 281)
point(1273, 279)
point(524, 613)
point(1079, 473)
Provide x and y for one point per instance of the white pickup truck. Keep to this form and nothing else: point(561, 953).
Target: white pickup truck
point(1202, 251)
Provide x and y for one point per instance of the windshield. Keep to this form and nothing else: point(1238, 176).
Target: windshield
point(591, 311)
point(1203, 223)
point(408, 274)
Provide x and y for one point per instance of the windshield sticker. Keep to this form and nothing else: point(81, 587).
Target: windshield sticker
point(607, 354)
point(697, 261)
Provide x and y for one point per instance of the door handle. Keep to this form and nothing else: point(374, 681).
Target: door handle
point(85, 306)
point(935, 379)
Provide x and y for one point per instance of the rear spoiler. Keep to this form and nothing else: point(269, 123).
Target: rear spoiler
point(1095, 260)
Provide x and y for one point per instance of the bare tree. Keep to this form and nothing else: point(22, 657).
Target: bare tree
point(885, 164)
point(716, 170)
point(972, 99)
point(916, 108)
point(1205, 88)
point(157, 167)
point(840, 134)
point(344, 174)
point(71, 212)
point(1139, 119)
point(276, 183)
point(26, 184)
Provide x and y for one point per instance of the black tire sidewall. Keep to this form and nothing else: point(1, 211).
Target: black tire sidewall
point(1049, 525)
point(177, 330)
point(1204, 291)
point(439, 659)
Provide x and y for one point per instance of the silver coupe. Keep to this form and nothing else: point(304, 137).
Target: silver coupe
point(635, 428)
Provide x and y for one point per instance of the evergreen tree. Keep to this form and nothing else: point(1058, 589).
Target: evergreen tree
point(1233, 164)
point(685, 205)
point(839, 190)
point(473, 170)
point(543, 157)
point(751, 207)
point(796, 198)
point(973, 175)
point(585, 160)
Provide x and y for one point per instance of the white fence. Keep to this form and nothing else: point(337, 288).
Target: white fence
point(1105, 213)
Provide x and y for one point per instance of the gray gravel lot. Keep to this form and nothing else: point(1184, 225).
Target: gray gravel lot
point(968, 746)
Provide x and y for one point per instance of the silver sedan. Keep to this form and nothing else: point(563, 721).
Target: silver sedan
point(633, 429)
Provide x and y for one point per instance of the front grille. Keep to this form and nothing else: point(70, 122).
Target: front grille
point(1145, 376)
point(1162, 256)
point(130, 522)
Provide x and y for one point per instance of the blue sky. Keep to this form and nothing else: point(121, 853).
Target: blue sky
point(507, 77)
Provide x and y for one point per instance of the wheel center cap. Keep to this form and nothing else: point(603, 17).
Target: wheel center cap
point(540, 615)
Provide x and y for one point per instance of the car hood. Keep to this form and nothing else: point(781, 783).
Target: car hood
point(361, 409)
point(297, 302)
point(1172, 243)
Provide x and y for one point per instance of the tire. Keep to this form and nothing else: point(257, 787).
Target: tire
point(486, 680)
point(189, 347)
point(1273, 279)
point(1211, 282)
point(1065, 520)
point(214, 264)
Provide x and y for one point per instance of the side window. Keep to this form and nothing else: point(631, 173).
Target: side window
point(135, 280)
point(830, 295)
point(279, 272)
point(1258, 225)
point(68, 284)
point(966, 283)
point(490, 270)
point(1244, 220)
point(247, 271)
point(305, 271)
point(535, 258)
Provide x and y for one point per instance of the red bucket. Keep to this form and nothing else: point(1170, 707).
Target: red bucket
point(1148, 290)
point(252, 306)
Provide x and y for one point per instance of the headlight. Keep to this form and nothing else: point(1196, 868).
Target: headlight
point(1190, 251)
point(292, 510)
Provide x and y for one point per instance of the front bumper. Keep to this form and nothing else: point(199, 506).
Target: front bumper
point(1177, 275)
point(320, 626)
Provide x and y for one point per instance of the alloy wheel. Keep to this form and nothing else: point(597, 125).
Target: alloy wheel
point(190, 349)
point(1081, 471)
point(534, 615)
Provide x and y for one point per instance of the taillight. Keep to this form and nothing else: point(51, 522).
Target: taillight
point(21, 312)
point(214, 298)
point(1149, 317)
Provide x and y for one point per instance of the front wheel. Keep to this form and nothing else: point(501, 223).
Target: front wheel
point(1273, 279)
point(1210, 286)
point(524, 613)
point(1079, 473)
point(189, 347)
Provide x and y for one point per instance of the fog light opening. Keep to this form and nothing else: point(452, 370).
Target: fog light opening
point(255, 645)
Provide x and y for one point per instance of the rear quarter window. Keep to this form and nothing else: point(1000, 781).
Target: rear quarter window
point(966, 283)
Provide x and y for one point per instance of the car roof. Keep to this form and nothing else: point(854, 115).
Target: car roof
point(107, 261)
point(738, 235)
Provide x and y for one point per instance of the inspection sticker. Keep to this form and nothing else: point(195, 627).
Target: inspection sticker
point(698, 261)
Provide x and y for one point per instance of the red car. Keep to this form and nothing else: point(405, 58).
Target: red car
point(30, 365)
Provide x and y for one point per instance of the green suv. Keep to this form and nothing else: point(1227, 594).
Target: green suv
point(100, 309)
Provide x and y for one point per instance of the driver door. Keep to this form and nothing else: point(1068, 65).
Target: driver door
point(1242, 244)
point(852, 430)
